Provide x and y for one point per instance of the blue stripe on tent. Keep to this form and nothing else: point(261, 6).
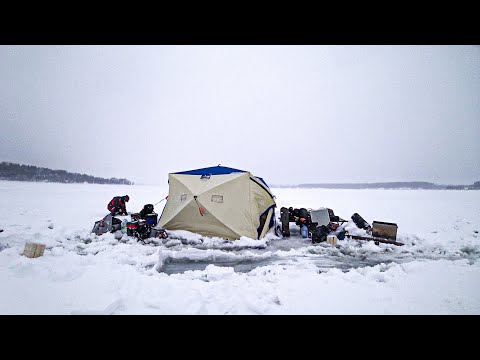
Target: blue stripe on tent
point(272, 219)
point(214, 170)
point(263, 181)
point(260, 228)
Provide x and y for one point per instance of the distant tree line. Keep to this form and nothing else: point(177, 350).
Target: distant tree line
point(18, 172)
point(475, 186)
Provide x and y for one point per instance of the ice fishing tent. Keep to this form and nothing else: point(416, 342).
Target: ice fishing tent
point(219, 201)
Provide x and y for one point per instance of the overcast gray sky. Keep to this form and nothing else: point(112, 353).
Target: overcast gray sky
point(290, 114)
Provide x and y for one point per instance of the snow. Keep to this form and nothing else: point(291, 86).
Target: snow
point(437, 271)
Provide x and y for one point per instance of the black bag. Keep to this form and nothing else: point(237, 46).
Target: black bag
point(295, 213)
point(319, 234)
point(108, 224)
point(303, 213)
point(158, 233)
point(285, 219)
point(116, 224)
point(138, 229)
point(332, 216)
point(360, 222)
point(147, 209)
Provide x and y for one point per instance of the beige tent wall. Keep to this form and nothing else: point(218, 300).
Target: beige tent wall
point(190, 219)
point(231, 205)
point(174, 203)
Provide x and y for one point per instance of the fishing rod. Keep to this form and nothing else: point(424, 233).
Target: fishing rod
point(161, 201)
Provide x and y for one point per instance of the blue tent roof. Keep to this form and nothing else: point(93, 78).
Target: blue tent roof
point(215, 170)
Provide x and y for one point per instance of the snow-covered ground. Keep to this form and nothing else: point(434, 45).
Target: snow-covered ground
point(437, 271)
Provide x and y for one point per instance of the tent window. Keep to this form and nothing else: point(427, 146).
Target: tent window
point(183, 197)
point(217, 198)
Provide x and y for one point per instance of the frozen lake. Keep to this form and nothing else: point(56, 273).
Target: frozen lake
point(436, 227)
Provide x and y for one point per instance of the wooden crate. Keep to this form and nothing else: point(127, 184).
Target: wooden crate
point(33, 250)
point(384, 230)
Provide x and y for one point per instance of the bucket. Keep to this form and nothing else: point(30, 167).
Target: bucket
point(332, 240)
point(33, 250)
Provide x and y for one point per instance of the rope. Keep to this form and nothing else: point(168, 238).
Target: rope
point(161, 201)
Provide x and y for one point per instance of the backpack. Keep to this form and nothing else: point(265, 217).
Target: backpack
point(147, 209)
point(303, 213)
point(319, 234)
